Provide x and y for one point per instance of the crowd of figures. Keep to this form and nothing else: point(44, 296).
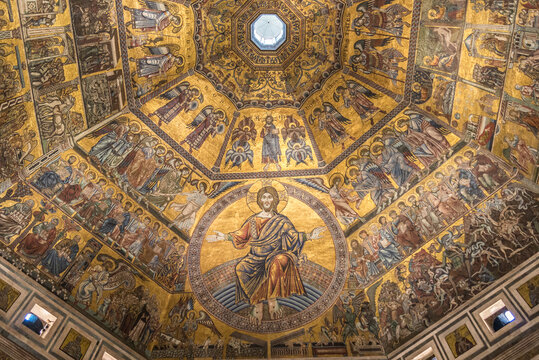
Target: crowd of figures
point(106, 212)
point(78, 266)
point(151, 172)
point(489, 242)
point(402, 154)
point(432, 206)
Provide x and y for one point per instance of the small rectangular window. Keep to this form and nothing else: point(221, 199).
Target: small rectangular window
point(428, 354)
point(107, 356)
point(497, 316)
point(39, 320)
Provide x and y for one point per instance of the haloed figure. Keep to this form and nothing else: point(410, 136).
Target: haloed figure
point(270, 270)
point(271, 150)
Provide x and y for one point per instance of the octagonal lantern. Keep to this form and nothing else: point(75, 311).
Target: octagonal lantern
point(268, 32)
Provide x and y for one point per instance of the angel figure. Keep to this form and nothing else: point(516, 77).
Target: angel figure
point(181, 98)
point(109, 276)
point(208, 122)
point(241, 151)
point(154, 16)
point(159, 60)
point(294, 136)
point(396, 159)
point(333, 122)
point(339, 195)
point(373, 17)
point(357, 96)
point(369, 58)
point(368, 178)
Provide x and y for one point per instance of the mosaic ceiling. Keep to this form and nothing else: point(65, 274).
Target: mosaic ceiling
point(194, 185)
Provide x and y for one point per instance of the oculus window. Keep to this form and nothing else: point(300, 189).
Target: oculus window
point(268, 32)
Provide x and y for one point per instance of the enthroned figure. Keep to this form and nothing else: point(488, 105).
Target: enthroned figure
point(270, 270)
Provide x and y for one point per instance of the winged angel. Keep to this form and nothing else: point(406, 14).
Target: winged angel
point(182, 323)
point(373, 17)
point(111, 275)
point(154, 16)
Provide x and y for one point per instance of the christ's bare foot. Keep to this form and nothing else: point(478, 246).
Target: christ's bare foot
point(274, 309)
point(255, 316)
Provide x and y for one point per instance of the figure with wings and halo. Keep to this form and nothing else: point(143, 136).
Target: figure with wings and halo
point(154, 16)
point(368, 58)
point(373, 17)
point(209, 121)
point(182, 98)
point(368, 178)
point(357, 96)
point(333, 122)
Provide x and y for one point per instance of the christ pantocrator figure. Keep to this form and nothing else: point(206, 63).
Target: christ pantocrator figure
point(270, 270)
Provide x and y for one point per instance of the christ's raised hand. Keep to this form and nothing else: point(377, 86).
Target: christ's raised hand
point(219, 236)
point(316, 233)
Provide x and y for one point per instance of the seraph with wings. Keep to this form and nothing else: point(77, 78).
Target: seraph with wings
point(241, 150)
point(373, 17)
point(292, 129)
point(294, 135)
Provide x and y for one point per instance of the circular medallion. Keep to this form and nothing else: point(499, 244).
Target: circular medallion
point(267, 258)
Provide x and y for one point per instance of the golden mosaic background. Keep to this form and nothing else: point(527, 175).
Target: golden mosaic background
point(423, 146)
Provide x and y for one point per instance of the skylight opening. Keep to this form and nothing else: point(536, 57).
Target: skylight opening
point(268, 32)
